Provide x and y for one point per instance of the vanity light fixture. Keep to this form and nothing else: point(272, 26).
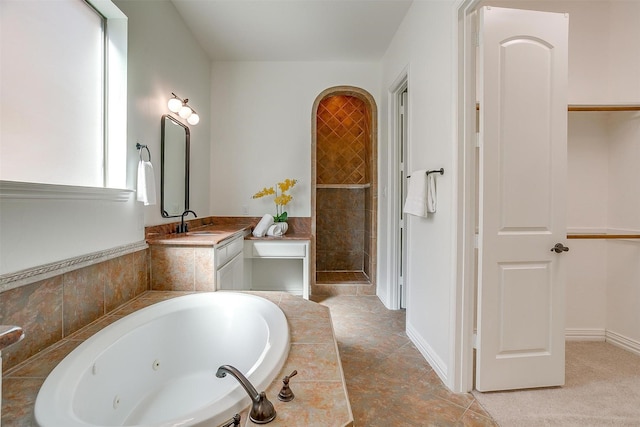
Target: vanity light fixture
point(182, 108)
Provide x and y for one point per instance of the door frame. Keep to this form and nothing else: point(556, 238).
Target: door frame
point(395, 91)
point(462, 346)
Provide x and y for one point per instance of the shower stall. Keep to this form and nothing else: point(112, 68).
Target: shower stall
point(344, 197)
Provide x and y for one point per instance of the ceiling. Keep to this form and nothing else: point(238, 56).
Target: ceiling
point(293, 30)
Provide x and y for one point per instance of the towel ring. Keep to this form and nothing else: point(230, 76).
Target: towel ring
point(140, 147)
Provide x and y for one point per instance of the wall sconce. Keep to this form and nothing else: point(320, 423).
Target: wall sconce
point(182, 108)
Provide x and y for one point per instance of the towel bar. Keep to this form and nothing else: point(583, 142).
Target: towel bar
point(440, 171)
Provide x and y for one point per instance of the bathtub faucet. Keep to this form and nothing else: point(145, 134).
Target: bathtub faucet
point(183, 228)
point(262, 411)
point(235, 421)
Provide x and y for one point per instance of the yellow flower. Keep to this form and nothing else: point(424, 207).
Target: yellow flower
point(264, 192)
point(281, 199)
point(287, 184)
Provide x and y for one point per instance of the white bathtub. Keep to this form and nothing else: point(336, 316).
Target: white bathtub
point(156, 367)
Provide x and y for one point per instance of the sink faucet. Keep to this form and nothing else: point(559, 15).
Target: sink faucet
point(262, 411)
point(183, 228)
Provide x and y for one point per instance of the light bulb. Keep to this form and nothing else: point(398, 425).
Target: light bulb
point(174, 105)
point(193, 119)
point(185, 111)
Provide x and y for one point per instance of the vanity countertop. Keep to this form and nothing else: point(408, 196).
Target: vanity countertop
point(223, 228)
point(290, 235)
point(200, 236)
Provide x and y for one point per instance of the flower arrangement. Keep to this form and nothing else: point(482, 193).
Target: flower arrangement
point(281, 199)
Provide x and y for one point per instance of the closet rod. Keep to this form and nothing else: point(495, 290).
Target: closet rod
point(604, 107)
point(603, 236)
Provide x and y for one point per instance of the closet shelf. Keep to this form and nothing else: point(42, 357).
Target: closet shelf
point(597, 107)
point(603, 236)
point(603, 107)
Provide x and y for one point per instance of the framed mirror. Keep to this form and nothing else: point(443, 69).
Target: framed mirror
point(174, 174)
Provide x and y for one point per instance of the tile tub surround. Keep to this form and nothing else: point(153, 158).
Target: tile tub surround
point(52, 309)
point(320, 392)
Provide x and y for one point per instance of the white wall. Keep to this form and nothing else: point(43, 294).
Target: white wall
point(424, 46)
point(587, 200)
point(624, 67)
point(261, 128)
point(623, 215)
point(602, 35)
point(163, 57)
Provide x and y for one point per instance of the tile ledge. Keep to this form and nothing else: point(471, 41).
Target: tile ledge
point(41, 272)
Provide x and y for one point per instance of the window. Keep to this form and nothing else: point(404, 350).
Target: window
point(59, 113)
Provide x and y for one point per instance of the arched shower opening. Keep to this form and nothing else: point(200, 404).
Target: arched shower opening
point(344, 193)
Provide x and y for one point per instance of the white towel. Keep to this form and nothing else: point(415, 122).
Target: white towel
point(416, 203)
point(431, 193)
point(146, 192)
point(277, 229)
point(263, 226)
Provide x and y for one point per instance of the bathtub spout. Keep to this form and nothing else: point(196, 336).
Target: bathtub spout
point(262, 410)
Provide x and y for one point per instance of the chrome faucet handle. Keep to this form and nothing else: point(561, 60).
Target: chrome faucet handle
point(286, 395)
point(235, 421)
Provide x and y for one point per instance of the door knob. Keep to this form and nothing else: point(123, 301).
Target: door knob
point(559, 248)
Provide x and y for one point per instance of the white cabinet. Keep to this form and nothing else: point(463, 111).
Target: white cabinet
point(228, 262)
point(277, 266)
point(229, 276)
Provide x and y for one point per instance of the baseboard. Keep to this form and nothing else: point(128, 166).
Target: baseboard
point(623, 342)
point(427, 352)
point(579, 334)
point(584, 334)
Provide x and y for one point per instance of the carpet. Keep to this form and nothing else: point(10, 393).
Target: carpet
point(602, 389)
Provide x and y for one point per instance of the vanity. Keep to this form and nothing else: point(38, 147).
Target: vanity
point(280, 265)
point(219, 253)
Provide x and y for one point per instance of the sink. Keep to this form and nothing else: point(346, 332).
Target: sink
point(204, 233)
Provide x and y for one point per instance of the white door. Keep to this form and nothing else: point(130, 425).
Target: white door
point(522, 91)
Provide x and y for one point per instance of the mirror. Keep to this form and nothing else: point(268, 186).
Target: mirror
point(174, 175)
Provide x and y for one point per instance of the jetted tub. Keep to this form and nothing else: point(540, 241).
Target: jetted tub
point(157, 366)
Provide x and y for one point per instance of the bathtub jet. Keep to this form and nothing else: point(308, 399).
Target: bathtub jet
point(262, 410)
point(155, 367)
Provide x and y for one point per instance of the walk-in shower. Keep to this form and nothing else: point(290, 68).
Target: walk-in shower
point(344, 209)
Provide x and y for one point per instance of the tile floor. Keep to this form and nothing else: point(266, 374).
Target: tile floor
point(341, 277)
point(388, 380)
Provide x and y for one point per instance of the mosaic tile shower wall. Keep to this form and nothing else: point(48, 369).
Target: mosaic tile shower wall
point(343, 137)
point(343, 157)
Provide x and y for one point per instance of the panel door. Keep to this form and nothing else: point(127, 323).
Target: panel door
point(522, 92)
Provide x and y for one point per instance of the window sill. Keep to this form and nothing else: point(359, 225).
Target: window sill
point(28, 190)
